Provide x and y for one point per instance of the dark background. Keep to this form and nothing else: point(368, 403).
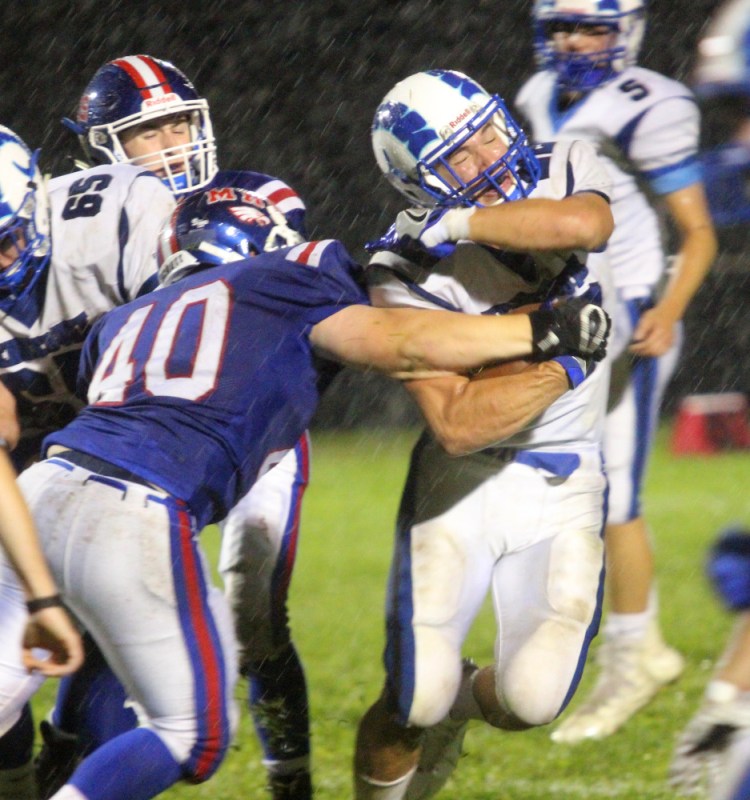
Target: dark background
point(292, 88)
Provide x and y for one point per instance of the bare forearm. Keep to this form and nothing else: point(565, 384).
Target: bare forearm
point(469, 414)
point(459, 342)
point(691, 267)
point(407, 342)
point(18, 536)
point(583, 223)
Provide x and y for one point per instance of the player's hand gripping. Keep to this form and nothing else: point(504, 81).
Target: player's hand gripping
point(575, 327)
point(434, 228)
point(52, 630)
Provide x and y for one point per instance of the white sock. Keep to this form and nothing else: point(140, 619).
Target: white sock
point(632, 627)
point(626, 627)
point(371, 789)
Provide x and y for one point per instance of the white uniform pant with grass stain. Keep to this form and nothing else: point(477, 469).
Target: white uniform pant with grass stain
point(127, 560)
point(484, 522)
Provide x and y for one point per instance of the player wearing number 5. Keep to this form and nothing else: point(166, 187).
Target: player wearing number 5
point(645, 127)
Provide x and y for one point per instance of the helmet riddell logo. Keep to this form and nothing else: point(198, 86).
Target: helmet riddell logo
point(456, 123)
point(151, 103)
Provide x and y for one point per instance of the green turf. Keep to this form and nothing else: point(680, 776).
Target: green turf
point(336, 611)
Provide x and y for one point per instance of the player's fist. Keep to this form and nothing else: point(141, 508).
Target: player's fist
point(434, 227)
point(575, 327)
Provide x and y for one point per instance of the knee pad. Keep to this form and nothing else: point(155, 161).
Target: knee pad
point(536, 683)
point(437, 678)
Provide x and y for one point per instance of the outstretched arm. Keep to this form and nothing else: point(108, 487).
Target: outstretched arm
point(50, 627)
point(411, 343)
point(470, 414)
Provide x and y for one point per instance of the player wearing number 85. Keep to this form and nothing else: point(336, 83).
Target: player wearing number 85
point(223, 357)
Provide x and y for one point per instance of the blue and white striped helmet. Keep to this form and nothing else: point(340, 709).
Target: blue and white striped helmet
point(427, 117)
point(24, 216)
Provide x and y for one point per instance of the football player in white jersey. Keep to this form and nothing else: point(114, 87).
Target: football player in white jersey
point(521, 512)
point(48, 626)
point(86, 245)
point(645, 127)
point(713, 752)
point(143, 110)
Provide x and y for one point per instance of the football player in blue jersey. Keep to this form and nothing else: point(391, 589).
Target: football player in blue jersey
point(713, 752)
point(499, 224)
point(645, 127)
point(72, 248)
point(120, 501)
point(145, 111)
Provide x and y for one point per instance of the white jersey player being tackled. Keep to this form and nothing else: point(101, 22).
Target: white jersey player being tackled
point(520, 514)
point(645, 128)
point(144, 110)
point(221, 357)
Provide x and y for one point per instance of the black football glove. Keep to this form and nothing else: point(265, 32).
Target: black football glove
point(575, 327)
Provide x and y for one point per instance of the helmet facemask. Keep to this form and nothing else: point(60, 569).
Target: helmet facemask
point(581, 72)
point(512, 176)
point(24, 217)
point(183, 168)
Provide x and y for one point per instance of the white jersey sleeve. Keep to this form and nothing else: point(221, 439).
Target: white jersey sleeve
point(665, 143)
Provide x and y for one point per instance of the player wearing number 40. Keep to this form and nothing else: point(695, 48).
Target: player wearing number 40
point(224, 359)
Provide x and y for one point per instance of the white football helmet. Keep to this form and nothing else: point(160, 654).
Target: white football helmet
point(427, 117)
point(24, 217)
point(133, 90)
point(576, 71)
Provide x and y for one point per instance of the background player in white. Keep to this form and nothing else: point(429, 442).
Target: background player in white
point(145, 111)
point(521, 513)
point(645, 127)
point(124, 550)
point(48, 626)
point(713, 752)
point(87, 248)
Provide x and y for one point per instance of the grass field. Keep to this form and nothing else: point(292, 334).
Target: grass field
point(336, 611)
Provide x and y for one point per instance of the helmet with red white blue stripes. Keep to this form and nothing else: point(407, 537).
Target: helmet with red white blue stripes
point(217, 226)
point(136, 90)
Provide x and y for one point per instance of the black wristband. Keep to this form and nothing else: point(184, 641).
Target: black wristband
point(39, 603)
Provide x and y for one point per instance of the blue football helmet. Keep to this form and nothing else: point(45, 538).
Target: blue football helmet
point(721, 80)
point(218, 226)
point(24, 217)
point(139, 89)
point(425, 118)
point(576, 71)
